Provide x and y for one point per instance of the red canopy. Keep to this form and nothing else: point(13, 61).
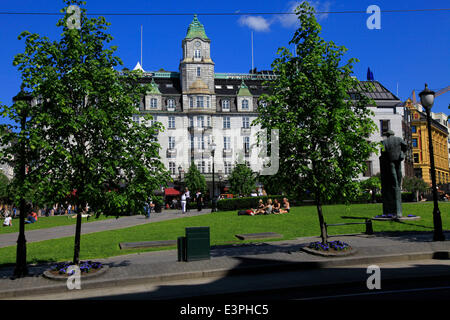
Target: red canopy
point(171, 192)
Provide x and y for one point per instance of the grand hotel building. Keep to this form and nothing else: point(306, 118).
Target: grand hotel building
point(198, 106)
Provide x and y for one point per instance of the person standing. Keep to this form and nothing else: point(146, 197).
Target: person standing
point(198, 198)
point(188, 199)
point(183, 203)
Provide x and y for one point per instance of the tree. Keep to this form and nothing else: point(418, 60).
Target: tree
point(415, 185)
point(4, 181)
point(90, 151)
point(242, 180)
point(322, 116)
point(195, 180)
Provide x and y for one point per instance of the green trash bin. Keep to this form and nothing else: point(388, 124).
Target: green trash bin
point(197, 244)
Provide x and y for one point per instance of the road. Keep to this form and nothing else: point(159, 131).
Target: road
point(414, 280)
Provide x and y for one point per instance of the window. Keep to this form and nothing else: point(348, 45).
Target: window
point(208, 119)
point(416, 158)
point(197, 53)
point(246, 145)
point(218, 87)
point(171, 142)
point(246, 122)
point(191, 102)
point(245, 104)
point(201, 166)
point(229, 87)
point(200, 122)
point(226, 105)
point(413, 129)
point(418, 172)
point(201, 143)
point(414, 142)
point(227, 143)
point(226, 122)
point(191, 122)
point(171, 122)
point(207, 101)
point(172, 168)
point(153, 103)
point(192, 142)
point(171, 104)
point(136, 118)
point(199, 102)
point(368, 172)
point(385, 125)
point(169, 85)
point(153, 120)
point(198, 71)
point(227, 167)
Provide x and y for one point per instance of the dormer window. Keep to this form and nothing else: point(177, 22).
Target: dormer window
point(245, 104)
point(226, 105)
point(153, 103)
point(171, 104)
point(197, 53)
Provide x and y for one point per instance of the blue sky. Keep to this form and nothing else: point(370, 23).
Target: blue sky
point(410, 48)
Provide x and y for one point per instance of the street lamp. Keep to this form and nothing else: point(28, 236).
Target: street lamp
point(427, 100)
point(180, 170)
point(21, 268)
point(220, 181)
point(214, 201)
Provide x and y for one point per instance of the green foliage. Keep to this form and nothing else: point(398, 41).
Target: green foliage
point(414, 184)
point(4, 181)
point(371, 183)
point(321, 114)
point(242, 180)
point(194, 180)
point(80, 134)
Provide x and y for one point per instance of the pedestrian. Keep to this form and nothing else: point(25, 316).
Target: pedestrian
point(7, 222)
point(183, 203)
point(198, 198)
point(188, 199)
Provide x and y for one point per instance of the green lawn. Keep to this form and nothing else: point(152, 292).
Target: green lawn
point(301, 222)
point(46, 222)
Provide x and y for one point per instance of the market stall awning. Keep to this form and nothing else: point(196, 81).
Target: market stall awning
point(171, 192)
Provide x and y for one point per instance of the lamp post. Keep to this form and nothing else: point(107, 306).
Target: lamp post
point(213, 207)
point(180, 170)
point(220, 181)
point(427, 100)
point(21, 268)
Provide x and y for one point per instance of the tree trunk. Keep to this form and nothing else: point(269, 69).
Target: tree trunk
point(76, 254)
point(323, 229)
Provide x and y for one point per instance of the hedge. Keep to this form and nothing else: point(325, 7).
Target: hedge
point(245, 203)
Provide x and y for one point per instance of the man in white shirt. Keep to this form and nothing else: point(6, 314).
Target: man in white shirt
point(7, 222)
point(183, 203)
point(188, 198)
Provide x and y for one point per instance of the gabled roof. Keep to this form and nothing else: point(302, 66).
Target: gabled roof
point(243, 90)
point(152, 88)
point(196, 30)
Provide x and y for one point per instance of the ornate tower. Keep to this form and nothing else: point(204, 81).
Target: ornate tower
point(197, 70)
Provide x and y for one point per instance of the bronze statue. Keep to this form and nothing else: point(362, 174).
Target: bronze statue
point(392, 155)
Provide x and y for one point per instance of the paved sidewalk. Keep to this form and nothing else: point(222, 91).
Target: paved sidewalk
point(162, 266)
point(10, 239)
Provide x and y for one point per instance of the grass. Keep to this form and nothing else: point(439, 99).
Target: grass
point(46, 222)
point(300, 222)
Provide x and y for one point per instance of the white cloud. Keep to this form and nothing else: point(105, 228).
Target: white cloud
point(256, 23)
point(291, 20)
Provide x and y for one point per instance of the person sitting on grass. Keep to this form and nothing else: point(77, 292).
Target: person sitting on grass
point(32, 217)
point(7, 222)
point(260, 208)
point(269, 207)
point(276, 207)
point(286, 207)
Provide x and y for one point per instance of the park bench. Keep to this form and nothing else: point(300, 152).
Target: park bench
point(147, 244)
point(367, 222)
point(257, 236)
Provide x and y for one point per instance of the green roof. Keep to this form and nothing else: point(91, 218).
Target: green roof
point(196, 30)
point(152, 88)
point(243, 90)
